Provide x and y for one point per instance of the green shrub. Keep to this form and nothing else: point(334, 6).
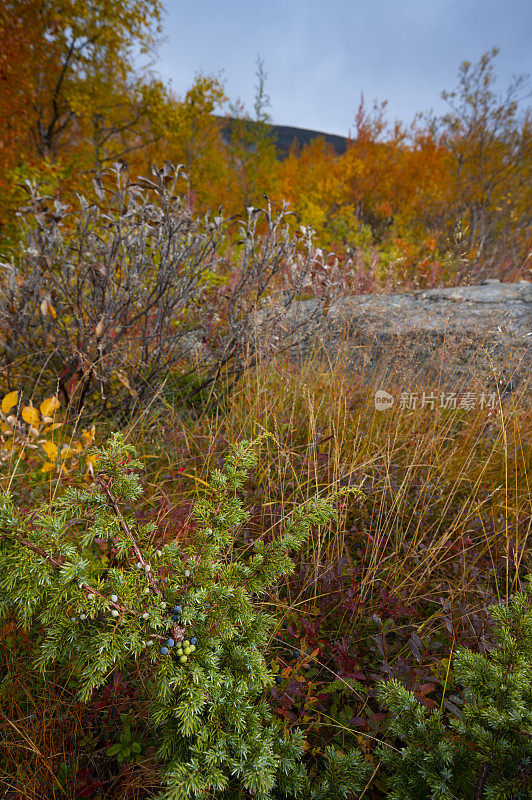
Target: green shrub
point(188, 609)
point(486, 752)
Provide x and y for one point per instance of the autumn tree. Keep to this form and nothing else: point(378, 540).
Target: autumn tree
point(92, 51)
point(443, 199)
point(70, 95)
point(20, 51)
point(347, 197)
point(195, 141)
point(311, 179)
point(489, 139)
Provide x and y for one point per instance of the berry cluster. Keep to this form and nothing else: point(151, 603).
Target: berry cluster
point(185, 648)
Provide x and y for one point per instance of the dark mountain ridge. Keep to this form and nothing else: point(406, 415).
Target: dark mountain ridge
point(285, 136)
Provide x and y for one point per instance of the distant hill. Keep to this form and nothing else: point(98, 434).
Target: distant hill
point(285, 136)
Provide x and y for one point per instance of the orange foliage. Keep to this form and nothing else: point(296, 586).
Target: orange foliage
point(417, 200)
point(313, 183)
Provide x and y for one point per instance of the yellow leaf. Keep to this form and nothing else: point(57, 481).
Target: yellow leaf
point(53, 312)
point(49, 405)
point(47, 466)
point(88, 436)
point(52, 427)
point(51, 450)
point(67, 452)
point(31, 416)
point(9, 401)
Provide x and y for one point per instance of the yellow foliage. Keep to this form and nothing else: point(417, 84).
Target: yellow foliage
point(52, 427)
point(49, 405)
point(9, 401)
point(88, 436)
point(67, 451)
point(20, 438)
point(31, 416)
point(51, 450)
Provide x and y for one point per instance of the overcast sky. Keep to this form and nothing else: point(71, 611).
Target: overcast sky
point(319, 55)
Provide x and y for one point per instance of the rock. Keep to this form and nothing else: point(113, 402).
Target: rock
point(449, 334)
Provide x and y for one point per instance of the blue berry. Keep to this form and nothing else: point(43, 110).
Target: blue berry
point(170, 643)
point(164, 651)
point(193, 640)
point(177, 609)
point(295, 653)
point(278, 679)
point(285, 626)
point(306, 667)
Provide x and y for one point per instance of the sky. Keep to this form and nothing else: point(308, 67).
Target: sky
point(319, 55)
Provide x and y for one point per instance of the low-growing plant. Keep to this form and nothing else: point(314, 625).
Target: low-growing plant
point(188, 609)
point(127, 747)
point(485, 750)
point(27, 430)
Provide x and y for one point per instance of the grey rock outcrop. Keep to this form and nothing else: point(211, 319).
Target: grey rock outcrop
point(457, 337)
point(458, 334)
